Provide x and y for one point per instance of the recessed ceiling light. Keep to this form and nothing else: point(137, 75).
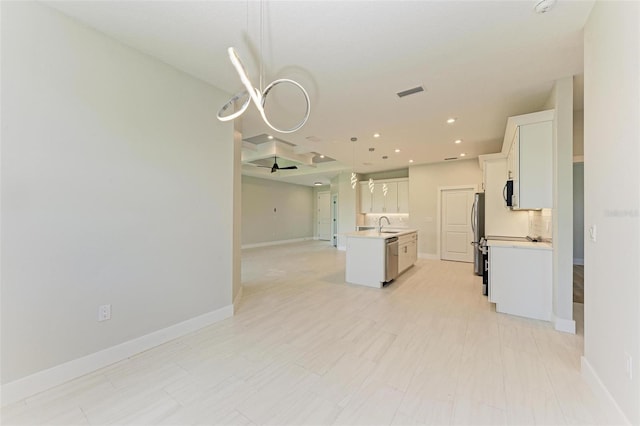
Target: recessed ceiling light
point(376, 135)
point(411, 161)
point(270, 137)
point(451, 120)
point(458, 141)
point(462, 154)
point(321, 156)
point(317, 183)
point(397, 150)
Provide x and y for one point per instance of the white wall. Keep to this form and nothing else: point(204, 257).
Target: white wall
point(116, 189)
point(561, 100)
point(612, 200)
point(275, 211)
point(424, 181)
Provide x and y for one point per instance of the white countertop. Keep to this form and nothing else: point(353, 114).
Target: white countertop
point(520, 244)
point(392, 232)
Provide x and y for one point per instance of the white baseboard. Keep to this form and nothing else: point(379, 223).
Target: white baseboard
point(428, 256)
point(564, 325)
point(578, 261)
point(601, 392)
point(46, 379)
point(275, 243)
point(236, 300)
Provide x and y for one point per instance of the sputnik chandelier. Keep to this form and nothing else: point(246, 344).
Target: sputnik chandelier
point(258, 96)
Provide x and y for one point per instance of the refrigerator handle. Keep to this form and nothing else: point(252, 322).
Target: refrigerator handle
point(473, 225)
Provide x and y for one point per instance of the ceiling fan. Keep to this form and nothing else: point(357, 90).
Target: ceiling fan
point(275, 166)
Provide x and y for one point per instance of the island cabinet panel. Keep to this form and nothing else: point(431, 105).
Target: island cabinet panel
point(366, 261)
point(367, 255)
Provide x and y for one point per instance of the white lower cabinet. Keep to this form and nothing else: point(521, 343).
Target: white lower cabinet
point(407, 251)
point(520, 281)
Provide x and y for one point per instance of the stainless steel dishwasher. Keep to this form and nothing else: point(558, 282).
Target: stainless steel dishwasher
point(391, 263)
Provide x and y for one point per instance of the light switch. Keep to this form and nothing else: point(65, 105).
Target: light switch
point(592, 233)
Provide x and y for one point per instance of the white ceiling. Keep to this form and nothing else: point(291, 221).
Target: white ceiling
point(479, 61)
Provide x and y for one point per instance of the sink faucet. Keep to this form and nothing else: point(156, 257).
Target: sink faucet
point(380, 223)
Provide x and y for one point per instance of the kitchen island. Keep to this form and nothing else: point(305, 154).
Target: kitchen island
point(375, 258)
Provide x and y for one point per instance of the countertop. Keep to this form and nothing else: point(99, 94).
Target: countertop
point(524, 243)
point(392, 232)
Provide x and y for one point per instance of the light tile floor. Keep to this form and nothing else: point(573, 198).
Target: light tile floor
point(307, 349)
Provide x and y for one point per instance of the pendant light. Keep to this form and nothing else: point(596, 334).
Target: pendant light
point(258, 95)
point(354, 177)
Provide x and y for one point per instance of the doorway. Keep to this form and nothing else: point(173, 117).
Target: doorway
point(334, 220)
point(324, 216)
point(454, 223)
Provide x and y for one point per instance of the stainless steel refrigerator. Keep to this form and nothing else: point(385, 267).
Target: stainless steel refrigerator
point(477, 225)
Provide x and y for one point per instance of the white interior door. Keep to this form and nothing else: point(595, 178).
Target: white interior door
point(324, 216)
point(456, 233)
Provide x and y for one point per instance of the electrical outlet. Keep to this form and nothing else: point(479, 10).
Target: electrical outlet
point(628, 365)
point(104, 312)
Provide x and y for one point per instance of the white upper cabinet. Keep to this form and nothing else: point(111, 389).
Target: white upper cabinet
point(365, 198)
point(394, 200)
point(533, 166)
point(528, 146)
point(403, 196)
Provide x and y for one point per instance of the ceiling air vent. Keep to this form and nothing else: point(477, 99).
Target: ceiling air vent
point(450, 158)
point(408, 92)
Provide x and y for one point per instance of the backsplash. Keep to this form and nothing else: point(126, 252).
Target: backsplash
point(540, 224)
point(397, 220)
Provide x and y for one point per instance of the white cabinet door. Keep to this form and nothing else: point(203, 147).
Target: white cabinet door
point(391, 199)
point(385, 201)
point(365, 198)
point(535, 166)
point(407, 251)
point(404, 259)
point(520, 281)
point(377, 200)
point(403, 197)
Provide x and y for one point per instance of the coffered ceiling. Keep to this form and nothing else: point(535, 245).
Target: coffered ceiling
point(478, 61)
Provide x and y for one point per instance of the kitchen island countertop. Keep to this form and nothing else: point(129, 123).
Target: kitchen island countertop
point(386, 233)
